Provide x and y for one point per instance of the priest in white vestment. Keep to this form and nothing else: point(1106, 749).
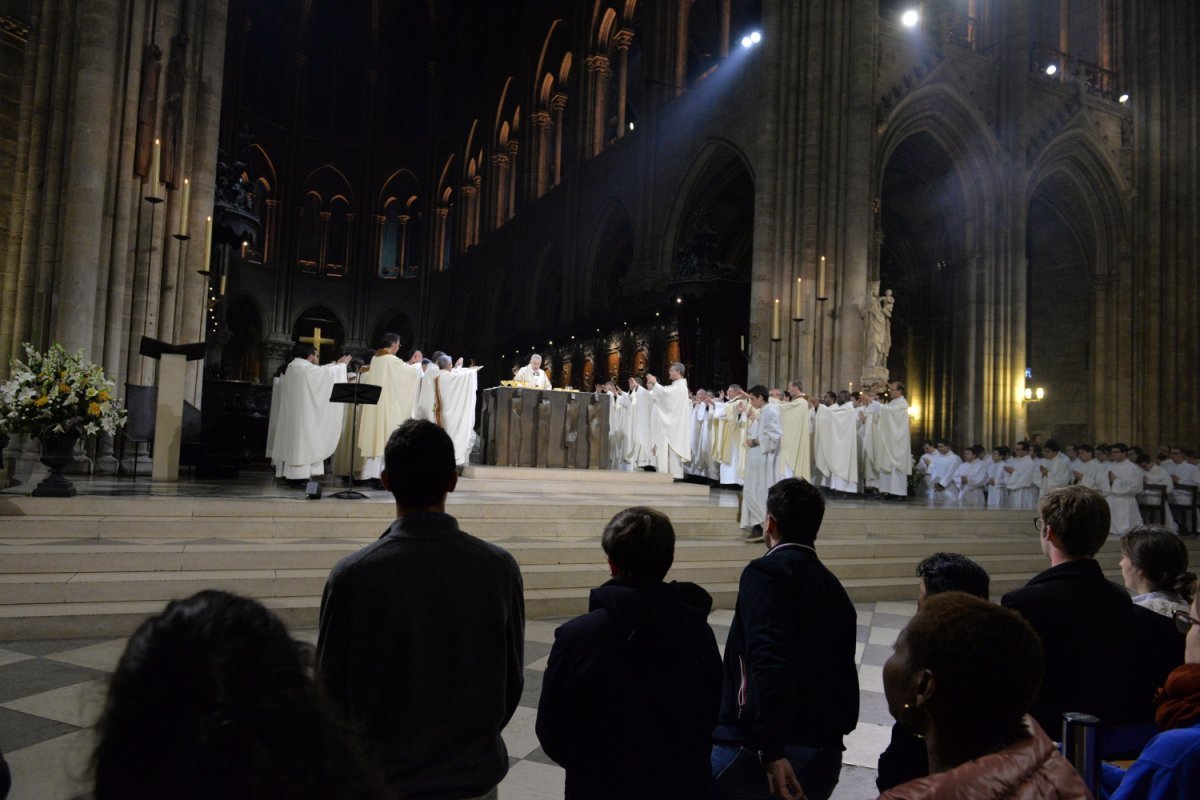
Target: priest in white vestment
point(398, 381)
point(837, 445)
point(1022, 480)
point(455, 393)
point(997, 489)
point(425, 406)
point(795, 447)
point(1055, 473)
point(971, 477)
point(762, 447)
point(1090, 472)
point(616, 424)
point(533, 374)
point(670, 428)
point(942, 469)
point(892, 443)
point(307, 425)
point(729, 441)
point(639, 444)
point(1125, 481)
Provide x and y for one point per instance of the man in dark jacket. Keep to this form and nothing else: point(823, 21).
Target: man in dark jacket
point(1085, 621)
point(423, 634)
point(790, 690)
point(631, 688)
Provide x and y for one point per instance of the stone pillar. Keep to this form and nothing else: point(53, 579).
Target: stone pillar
point(599, 70)
point(1064, 34)
point(500, 188)
point(559, 104)
point(87, 181)
point(543, 127)
point(726, 14)
point(476, 207)
point(465, 216)
point(511, 202)
point(623, 39)
point(441, 213)
point(402, 260)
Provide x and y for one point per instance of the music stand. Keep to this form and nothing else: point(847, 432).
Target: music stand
point(354, 395)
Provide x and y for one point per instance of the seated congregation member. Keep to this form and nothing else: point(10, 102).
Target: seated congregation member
point(213, 698)
point(790, 690)
point(963, 676)
point(631, 690)
point(1154, 565)
point(423, 634)
point(1084, 620)
point(1169, 766)
point(905, 758)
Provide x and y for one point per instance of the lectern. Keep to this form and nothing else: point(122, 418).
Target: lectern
point(353, 394)
point(168, 418)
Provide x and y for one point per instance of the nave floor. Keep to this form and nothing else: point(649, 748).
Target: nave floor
point(52, 691)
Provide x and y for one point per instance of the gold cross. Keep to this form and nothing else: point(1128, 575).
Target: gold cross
point(315, 340)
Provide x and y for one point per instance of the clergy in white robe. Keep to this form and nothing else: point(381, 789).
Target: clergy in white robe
point(1182, 473)
point(1055, 472)
point(670, 429)
point(971, 477)
point(398, 381)
point(616, 424)
point(455, 391)
point(729, 441)
point(533, 374)
point(307, 425)
point(997, 488)
point(795, 448)
point(639, 445)
point(696, 420)
point(836, 443)
point(892, 443)
point(1124, 481)
point(425, 406)
point(868, 475)
point(1090, 472)
point(1022, 480)
point(941, 474)
point(1156, 475)
point(762, 448)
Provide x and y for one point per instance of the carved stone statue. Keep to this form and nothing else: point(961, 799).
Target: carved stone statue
point(878, 313)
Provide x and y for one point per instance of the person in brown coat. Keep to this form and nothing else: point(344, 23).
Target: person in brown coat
point(964, 676)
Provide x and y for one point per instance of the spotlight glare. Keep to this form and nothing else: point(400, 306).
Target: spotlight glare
point(1124, 98)
point(746, 43)
point(755, 37)
point(1052, 69)
point(910, 18)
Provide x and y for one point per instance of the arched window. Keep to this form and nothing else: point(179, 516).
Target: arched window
point(337, 247)
point(308, 257)
point(389, 247)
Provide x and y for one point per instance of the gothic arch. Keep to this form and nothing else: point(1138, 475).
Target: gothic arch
point(718, 162)
point(609, 257)
point(546, 301)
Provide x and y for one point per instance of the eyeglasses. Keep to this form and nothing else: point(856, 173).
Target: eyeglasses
point(1038, 524)
point(1184, 621)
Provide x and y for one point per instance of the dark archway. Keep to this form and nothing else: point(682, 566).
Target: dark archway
point(399, 324)
point(242, 356)
point(923, 262)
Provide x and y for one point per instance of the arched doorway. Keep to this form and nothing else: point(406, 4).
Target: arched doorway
point(923, 262)
point(242, 356)
point(711, 267)
point(400, 325)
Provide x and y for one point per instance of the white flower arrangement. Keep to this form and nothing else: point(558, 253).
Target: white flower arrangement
point(56, 392)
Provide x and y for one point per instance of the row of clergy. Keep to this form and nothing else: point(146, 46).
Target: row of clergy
point(735, 438)
point(1019, 479)
point(306, 428)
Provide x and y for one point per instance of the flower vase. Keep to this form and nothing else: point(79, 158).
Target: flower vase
point(58, 452)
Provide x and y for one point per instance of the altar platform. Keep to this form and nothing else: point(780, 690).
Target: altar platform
point(99, 563)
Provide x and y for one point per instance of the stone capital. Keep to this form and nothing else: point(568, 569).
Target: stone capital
point(442, 212)
point(623, 39)
point(500, 160)
point(477, 180)
point(380, 219)
point(324, 215)
point(558, 102)
point(541, 119)
point(513, 146)
point(468, 191)
point(598, 63)
point(403, 219)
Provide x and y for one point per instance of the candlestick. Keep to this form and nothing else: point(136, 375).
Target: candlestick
point(207, 243)
point(798, 304)
point(775, 327)
point(245, 246)
point(742, 343)
point(223, 285)
point(850, 387)
point(187, 203)
point(821, 280)
point(155, 169)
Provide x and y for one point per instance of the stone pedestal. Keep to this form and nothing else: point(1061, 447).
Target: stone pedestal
point(168, 422)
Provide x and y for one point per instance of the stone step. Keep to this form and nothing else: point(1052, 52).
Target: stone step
point(586, 476)
point(634, 488)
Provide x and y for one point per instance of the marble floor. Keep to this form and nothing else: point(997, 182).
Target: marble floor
point(51, 693)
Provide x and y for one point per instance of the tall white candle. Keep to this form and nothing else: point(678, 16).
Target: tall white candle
point(798, 304)
point(821, 280)
point(775, 327)
point(187, 204)
point(207, 243)
point(155, 167)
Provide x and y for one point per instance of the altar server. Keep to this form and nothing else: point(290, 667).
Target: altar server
point(1055, 471)
point(997, 490)
point(1021, 482)
point(1125, 481)
point(942, 471)
point(971, 477)
point(307, 425)
point(762, 448)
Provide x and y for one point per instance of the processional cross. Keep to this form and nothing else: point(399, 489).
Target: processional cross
point(316, 340)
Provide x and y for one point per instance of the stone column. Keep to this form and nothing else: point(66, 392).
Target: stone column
point(726, 14)
point(511, 203)
point(323, 256)
point(465, 215)
point(403, 219)
point(88, 176)
point(623, 39)
point(559, 104)
point(599, 70)
point(543, 127)
point(500, 188)
point(441, 213)
point(1064, 34)
point(476, 209)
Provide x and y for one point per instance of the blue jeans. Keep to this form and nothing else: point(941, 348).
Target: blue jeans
point(737, 775)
